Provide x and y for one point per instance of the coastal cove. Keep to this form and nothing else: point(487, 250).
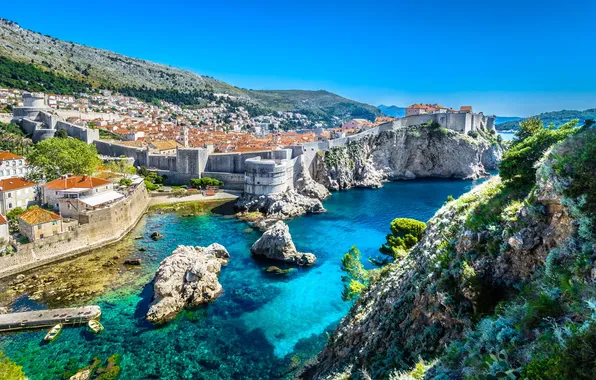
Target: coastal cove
point(263, 326)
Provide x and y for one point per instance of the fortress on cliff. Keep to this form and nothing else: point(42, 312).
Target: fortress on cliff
point(255, 173)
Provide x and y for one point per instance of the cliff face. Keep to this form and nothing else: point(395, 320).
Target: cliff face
point(498, 285)
point(406, 154)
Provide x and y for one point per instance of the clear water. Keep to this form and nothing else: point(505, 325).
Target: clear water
point(507, 136)
point(264, 324)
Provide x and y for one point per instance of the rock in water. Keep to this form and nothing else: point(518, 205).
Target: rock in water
point(156, 236)
point(276, 244)
point(280, 205)
point(188, 277)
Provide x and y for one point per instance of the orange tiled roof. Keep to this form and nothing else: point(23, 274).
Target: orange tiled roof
point(85, 182)
point(37, 215)
point(165, 145)
point(2, 219)
point(9, 156)
point(15, 184)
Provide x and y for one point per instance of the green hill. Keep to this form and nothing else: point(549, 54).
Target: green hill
point(556, 117)
point(32, 61)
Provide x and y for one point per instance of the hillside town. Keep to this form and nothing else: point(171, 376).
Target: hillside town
point(34, 210)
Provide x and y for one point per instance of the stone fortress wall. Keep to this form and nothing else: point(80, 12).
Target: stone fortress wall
point(256, 173)
point(266, 172)
point(41, 122)
point(97, 228)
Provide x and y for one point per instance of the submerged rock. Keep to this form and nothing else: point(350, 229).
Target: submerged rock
point(276, 244)
point(135, 261)
point(156, 236)
point(277, 270)
point(188, 277)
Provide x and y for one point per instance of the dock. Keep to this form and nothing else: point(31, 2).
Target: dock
point(47, 318)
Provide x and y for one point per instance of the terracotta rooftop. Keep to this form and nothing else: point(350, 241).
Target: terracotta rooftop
point(9, 156)
point(84, 182)
point(37, 215)
point(2, 219)
point(165, 145)
point(15, 184)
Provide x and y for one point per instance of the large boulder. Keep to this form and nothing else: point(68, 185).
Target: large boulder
point(188, 277)
point(276, 244)
point(280, 205)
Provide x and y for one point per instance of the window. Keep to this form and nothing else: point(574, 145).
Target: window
point(39, 226)
point(10, 205)
point(97, 190)
point(9, 195)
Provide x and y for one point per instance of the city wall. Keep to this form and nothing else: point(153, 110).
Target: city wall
point(139, 155)
point(103, 227)
point(85, 134)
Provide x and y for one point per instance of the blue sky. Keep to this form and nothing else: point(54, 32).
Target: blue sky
point(505, 57)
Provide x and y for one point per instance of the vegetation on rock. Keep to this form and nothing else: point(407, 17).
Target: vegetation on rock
point(356, 278)
point(9, 369)
point(499, 286)
point(404, 235)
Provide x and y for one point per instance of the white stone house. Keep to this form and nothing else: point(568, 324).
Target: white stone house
point(73, 187)
point(12, 165)
point(16, 192)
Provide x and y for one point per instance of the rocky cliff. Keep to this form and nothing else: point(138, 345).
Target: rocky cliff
point(414, 152)
point(502, 284)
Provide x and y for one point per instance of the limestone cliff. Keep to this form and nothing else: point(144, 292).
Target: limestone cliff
point(414, 152)
point(499, 286)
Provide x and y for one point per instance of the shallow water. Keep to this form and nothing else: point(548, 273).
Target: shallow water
point(264, 325)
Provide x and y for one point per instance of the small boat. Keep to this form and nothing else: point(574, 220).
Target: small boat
point(53, 333)
point(95, 326)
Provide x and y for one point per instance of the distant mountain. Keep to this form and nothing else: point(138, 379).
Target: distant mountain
point(556, 117)
point(44, 62)
point(505, 119)
point(394, 111)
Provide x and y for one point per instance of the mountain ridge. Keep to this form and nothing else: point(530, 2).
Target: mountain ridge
point(102, 68)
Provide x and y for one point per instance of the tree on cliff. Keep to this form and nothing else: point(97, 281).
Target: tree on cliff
point(357, 278)
point(533, 140)
point(55, 157)
point(404, 235)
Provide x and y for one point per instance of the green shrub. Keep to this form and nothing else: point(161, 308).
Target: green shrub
point(9, 369)
point(518, 164)
point(578, 163)
point(405, 233)
point(201, 183)
point(125, 182)
point(473, 134)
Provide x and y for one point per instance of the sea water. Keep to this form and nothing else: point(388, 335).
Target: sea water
point(264, 325)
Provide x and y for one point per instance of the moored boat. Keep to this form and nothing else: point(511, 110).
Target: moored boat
point(53, 333)
point(95, 326)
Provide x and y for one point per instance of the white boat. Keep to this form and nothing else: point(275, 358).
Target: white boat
point(53, 333)
point(95, 326)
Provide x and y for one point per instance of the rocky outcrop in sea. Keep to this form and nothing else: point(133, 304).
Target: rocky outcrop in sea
point(276, 244)
point(188, 277)
point(407, 153)
point(280, 205)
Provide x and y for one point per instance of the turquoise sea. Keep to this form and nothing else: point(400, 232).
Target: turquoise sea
point(264, 325)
